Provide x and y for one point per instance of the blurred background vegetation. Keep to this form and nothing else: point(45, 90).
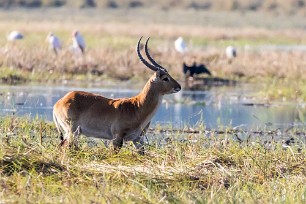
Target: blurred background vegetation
point(271, 6)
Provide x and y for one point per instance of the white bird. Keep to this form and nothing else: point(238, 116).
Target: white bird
point(231, 53)
point(54, 43)
point(78, 42)
point(14, 35)
point(180, 45)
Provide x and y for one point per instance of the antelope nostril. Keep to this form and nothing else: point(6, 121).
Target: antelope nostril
point(177, 89)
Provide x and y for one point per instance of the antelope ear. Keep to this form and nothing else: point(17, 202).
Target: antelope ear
point(158, 73)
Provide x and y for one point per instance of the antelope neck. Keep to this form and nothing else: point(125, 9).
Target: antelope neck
point(148, 99)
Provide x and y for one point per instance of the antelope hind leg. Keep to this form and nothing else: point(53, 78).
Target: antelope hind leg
point(65, 140)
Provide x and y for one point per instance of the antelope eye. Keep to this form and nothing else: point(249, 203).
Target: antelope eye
point(165, 79)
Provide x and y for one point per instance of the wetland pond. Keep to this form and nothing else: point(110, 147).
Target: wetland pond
point(217, 107)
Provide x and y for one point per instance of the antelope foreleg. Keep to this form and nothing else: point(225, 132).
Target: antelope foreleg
point(76, 135)
point(139, 144)
point(117, 143)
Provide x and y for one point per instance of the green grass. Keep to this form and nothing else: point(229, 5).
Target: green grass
point(217, 169)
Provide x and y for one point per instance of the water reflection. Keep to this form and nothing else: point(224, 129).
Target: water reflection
point(217, 107)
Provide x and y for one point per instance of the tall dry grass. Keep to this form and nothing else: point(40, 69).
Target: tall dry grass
point(269, 6)
point(123, 63)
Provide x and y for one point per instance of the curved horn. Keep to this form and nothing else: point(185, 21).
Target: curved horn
point(151, 59)
point(142, 59)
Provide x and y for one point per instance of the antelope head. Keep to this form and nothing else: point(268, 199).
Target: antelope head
point(161, 81)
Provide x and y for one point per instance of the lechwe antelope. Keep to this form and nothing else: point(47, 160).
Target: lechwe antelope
point(122, 119)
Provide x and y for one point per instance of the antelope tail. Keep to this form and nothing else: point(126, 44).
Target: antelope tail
point(58, 126)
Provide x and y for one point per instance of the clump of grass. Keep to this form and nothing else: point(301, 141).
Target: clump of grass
point(283, 90)
point(214, 169)
point(12, 76)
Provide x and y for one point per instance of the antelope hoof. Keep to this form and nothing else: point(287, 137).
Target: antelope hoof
point(116, 148)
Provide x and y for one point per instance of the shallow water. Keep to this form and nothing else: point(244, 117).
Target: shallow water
point(215, 108)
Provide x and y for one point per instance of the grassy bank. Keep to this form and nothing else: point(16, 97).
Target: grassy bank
point(216, 169)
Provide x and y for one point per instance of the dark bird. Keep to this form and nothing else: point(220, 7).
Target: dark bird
point(195, 69)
